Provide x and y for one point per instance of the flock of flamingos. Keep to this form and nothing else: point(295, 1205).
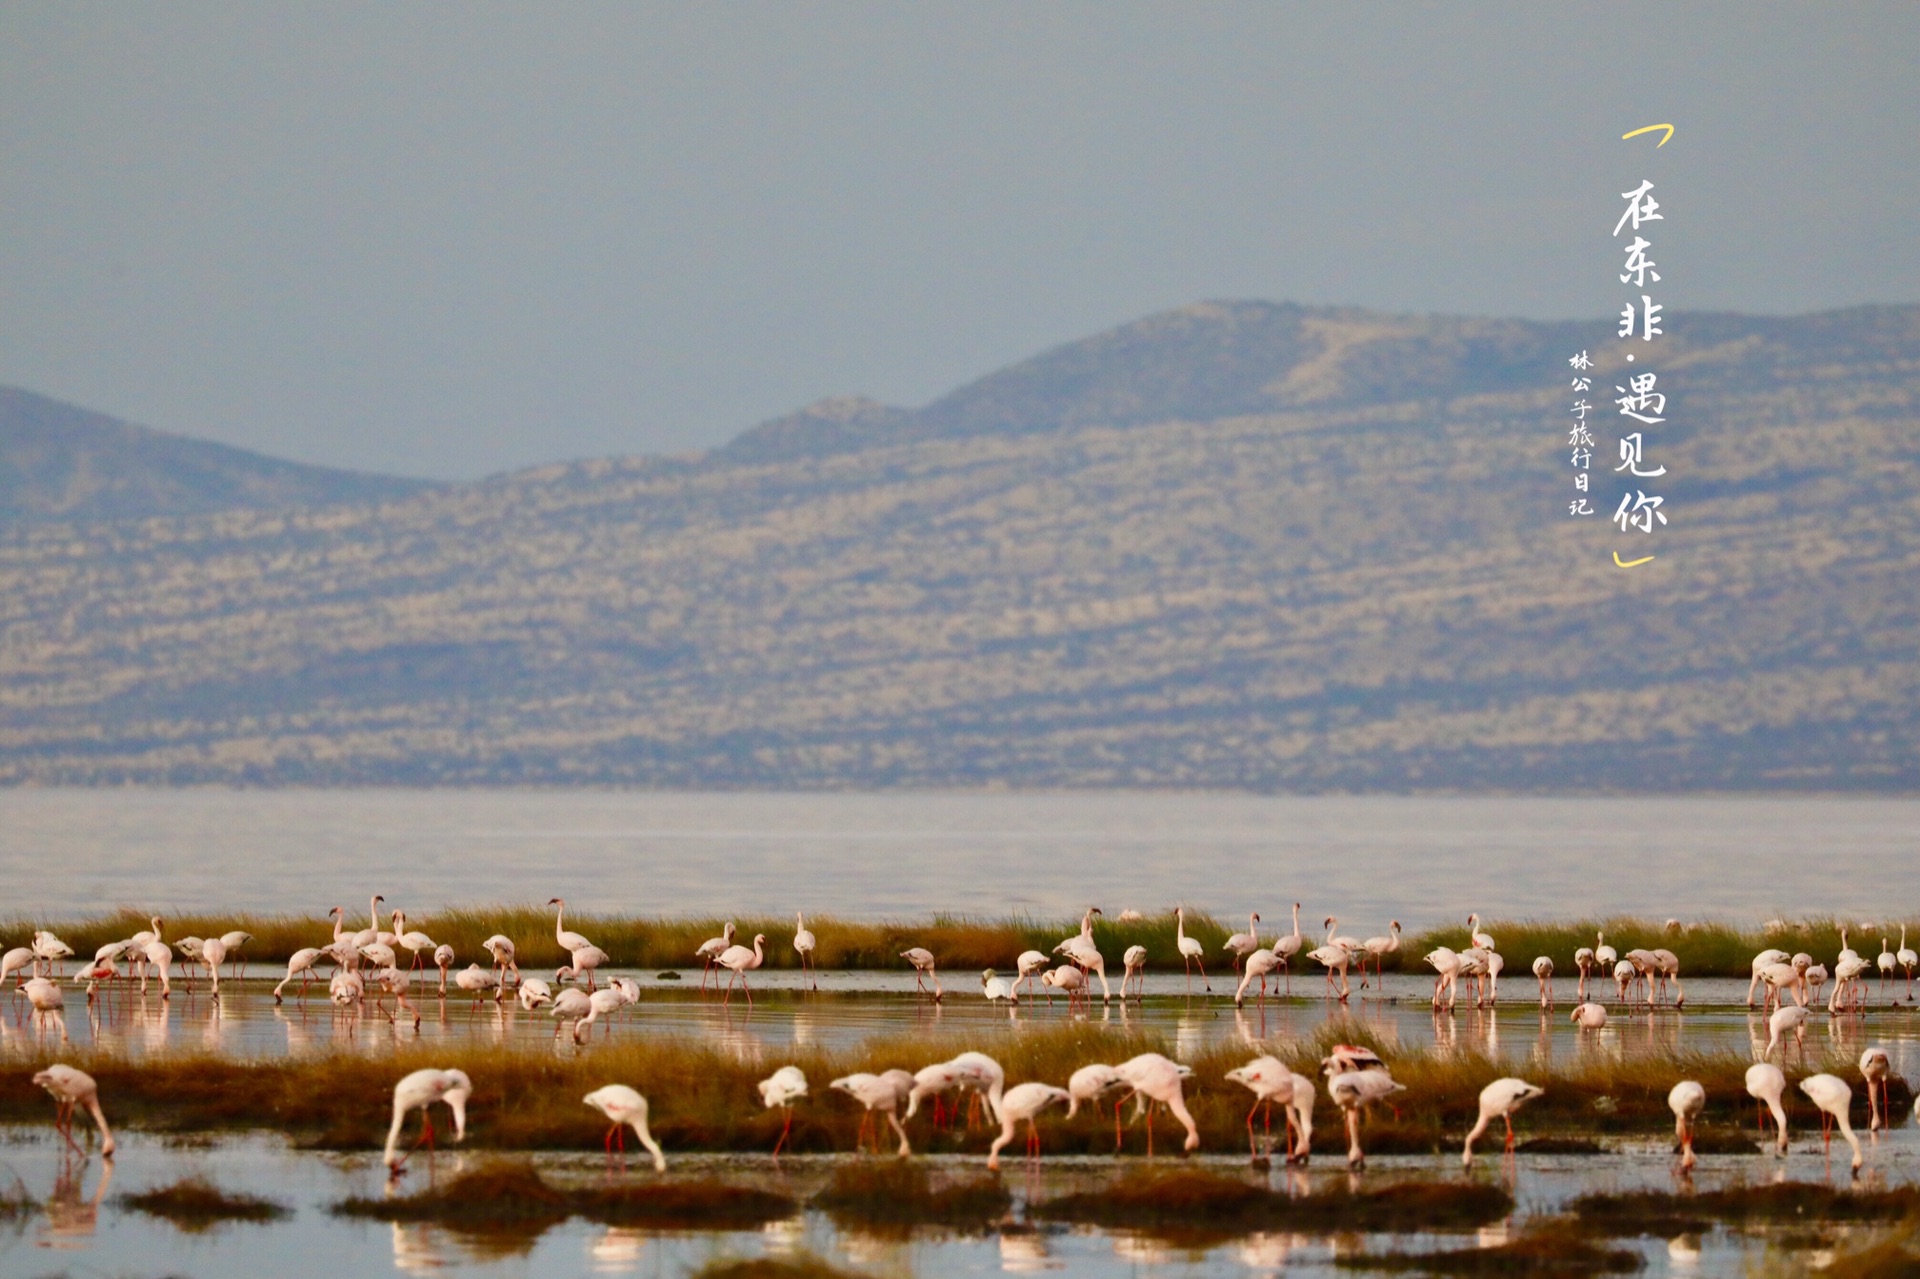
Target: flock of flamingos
point(367, 962)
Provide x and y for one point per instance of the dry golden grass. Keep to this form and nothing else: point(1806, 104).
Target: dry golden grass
point(1183, 1199)
point(885, 1195)
point(1551, 1249)
point(196, 1205)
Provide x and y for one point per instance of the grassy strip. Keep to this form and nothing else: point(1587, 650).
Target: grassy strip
point(196, 1205)
point(1553, 1249)
point(703, 1097)
point(1666, 1215)
point(805, 1266)
point(510, 1196)
point(889, 1195)
point(961, 944)
point(1181, 1200)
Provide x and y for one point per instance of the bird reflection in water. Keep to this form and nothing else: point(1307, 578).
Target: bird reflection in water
point(418, 1246)
point(618, 1251)
point(70, 1219)
point(1266, 1252)
point(1024, 1249)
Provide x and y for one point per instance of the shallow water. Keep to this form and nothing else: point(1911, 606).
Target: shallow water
point(85, 1231)
point(1420, 860)
point(853, 1007)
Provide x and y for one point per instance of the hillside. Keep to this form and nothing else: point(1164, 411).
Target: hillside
point(62, 462)
point(1237, 545)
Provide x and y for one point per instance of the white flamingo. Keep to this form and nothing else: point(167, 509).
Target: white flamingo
point(1589, 1016)
point(782, 1088)
point(1244, 944)
point(1353, 1091)
point(1908, 958)
point(443, 958)
point(1480, 940)
point(710, 950)
point(1875, 1066)
point(1499, 1100)
point(739, 960)
point(1767, 1085)
point(997, 988)
point(1023, 1102)
point(1833, 1097)
point(569, 941)
point(299, 964)
point(1154, 1078)
point(1543, 973)
point(625, 1108)
point(1289, 946)
point(1269, 1081)
point(505, 958)
point(1378, 948)
point(418, 1091)
point(922, 960)
point(803, 944)
point(584, 963)
point(70, 1088)
point(1134, 971)
point(1687, 1100)
point(1190, 950)
point(884, 1093)
point(1792, 1019)
point(44, 997)
point(1030, 965)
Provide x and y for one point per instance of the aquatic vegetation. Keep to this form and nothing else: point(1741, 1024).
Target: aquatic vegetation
point(1551, 1249)
point(683, 1204)
point(195, 1205)
point(879, 1194)
point(1183, 1199)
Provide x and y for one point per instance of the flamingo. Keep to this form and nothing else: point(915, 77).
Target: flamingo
point(1378, 948)
point(1154, 1078)
point(1089, 1084)
point(1886, 963)
point(1687, 1100)
point(624, 1107)
point(70, 1088)
point(885, 1093)
point(505, 958)
point(1023, 1102)
point(1499, 1099)
point(1780, 978)
point(803, 945)
point(534, 994)
point(996, 988)
point(1289, 946)
point(50, 950)
point(1833, 1097)
point(443, 958)
point(1846, 982)
point(477, 981)
point(1031, 964)
point(301, 961)
point(1190, 949)
point(1604, 956)
point(1353, 1091)
point(972, 1072)
point(1589, 1016)
point(1446, 968)
point(569, 942)
point(1334, 956)
point(1791, 1018)
point(741, 961)
point(922, 960)
point(213, 953)
point(1080, 949)
point(1875, 1065)
point(570, 1004)
point(414, 943)
point(346, 987)
point(393, 980)
point(95, 973)
point(1764, 960)
point(1766, 1084)
point(1269, 1081)
point(601, 1003)
point(1244, 944)
point(1259, 964)
point(1583, 960)
point(710, 950)
point(1134, 971)
point(44, 996)
point(15, 964)
point(370, 934)
point(1481, 941)
point(782, 1088)
point(1301, 1108)
point(418, 1091)
point(584, 961)
point(232, 942)
point(160, 955)
point(1908, 958)
point(1068, 978)
point(1543, 973)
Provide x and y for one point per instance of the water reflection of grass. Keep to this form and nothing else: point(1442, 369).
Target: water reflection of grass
point(804, 1266)
point(1667, 1215)
point(196, 1205)
point(1550, 1249)
point(965, 944)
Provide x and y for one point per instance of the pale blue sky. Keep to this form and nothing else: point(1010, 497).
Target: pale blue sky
point(450, 240)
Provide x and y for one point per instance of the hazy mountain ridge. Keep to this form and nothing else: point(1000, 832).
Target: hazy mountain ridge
point(66, 463)
point(1331, 553)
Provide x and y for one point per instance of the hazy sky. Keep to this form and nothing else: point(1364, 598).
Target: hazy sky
point(450, 240)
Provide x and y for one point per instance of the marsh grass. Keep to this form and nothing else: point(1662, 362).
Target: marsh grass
point(196, 1205)
point(511, 1197)
point(529, 1098)
point(1192, 1199)
point(1551, 1249)
point(888, 1195)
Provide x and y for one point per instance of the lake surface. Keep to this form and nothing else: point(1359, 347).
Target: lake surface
point(1421, 860)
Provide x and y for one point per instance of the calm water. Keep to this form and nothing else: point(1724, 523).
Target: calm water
point(84, 1230)
point(1420, 860)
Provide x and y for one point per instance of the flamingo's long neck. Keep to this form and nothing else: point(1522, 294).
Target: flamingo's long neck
point(560, 922)
point(1296, 919)
point(1331, 925)
point(1179, 927)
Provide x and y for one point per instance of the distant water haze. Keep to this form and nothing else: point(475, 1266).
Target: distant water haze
point(1421, 860)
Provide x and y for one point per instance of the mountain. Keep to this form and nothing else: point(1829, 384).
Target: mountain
point(62, 462)
point(1237, 545)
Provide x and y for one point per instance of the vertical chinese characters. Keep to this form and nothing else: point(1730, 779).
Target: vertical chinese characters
point(1638, 400)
